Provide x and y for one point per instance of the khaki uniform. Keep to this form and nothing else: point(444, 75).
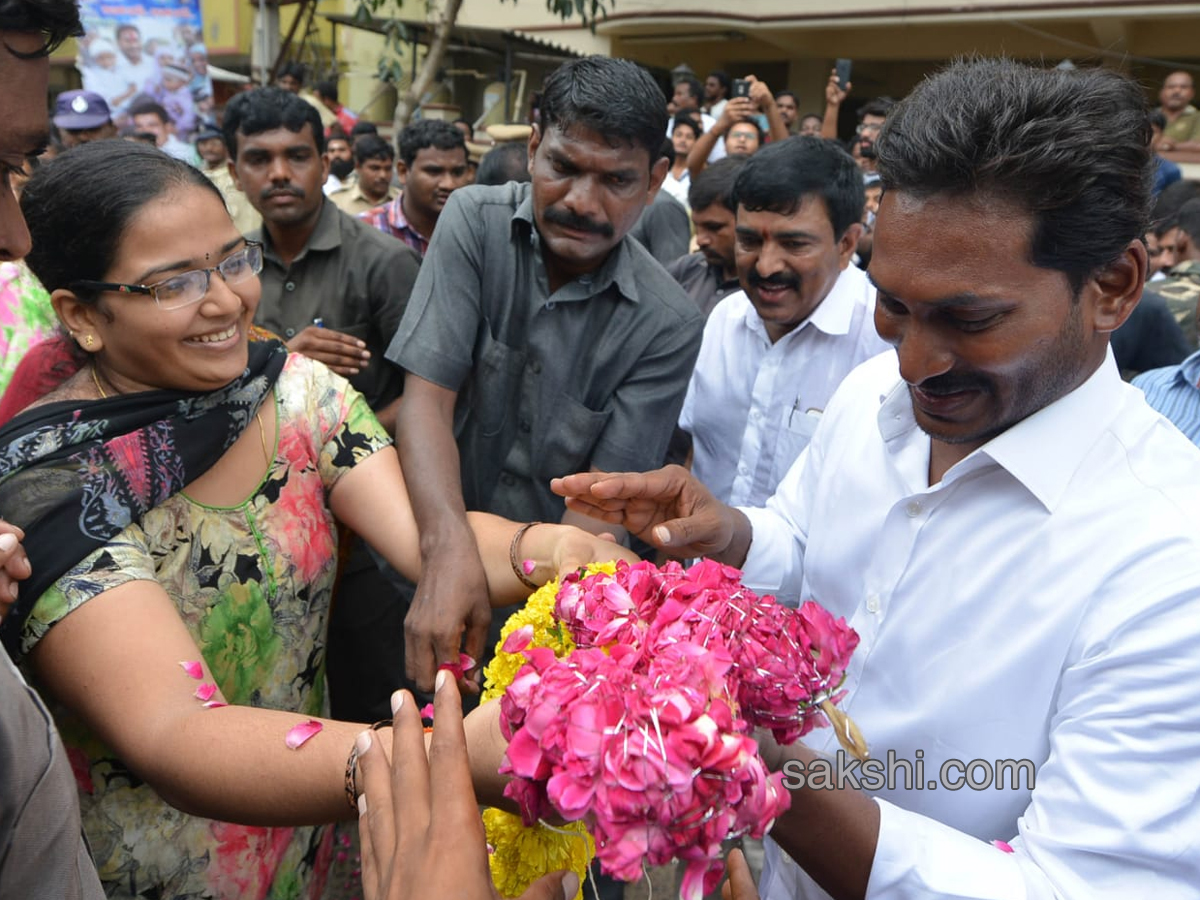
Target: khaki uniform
point(245, 217)
point(1181, 290)
point(1186, 127)
point(351, 199)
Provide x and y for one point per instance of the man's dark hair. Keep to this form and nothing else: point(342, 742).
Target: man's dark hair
point(724, 79)
point(54, 20)
point(79, 207)
point(360, 128)
point(1189, 220)
point(372, 146)
point(695, 88)
point(715, 184)
point(687, 117)
point(615, 98)
point(326, 89)
point(150, 108)
point(1158, 119)
point(268, 108)
point(880, 106)
point(791, 94)
point(293, 70)
point(1165, 215)
point(780, 176)
point(1072, 148)
point(425, 133)
point(667, 151)
point(504, 163)
point(753, 123)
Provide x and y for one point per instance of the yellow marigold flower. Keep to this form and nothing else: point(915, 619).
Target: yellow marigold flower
point(523, 855)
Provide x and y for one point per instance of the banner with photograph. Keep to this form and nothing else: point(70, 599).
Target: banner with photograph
point(150, 49)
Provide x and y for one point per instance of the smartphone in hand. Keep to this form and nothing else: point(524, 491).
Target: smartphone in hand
point(741, 87)
point(842, 67)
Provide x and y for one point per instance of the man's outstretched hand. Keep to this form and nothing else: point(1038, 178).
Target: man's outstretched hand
point(667, 508)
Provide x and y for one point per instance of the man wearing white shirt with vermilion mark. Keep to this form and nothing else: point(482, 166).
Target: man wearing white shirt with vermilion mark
point(1012, 531)
point(774, 352)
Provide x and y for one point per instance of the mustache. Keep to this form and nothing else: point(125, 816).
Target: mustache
point(952, 383)
point(288, 190)
point(567, 219)
point(777, 280)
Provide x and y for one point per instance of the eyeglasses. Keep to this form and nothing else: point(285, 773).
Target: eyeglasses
point(189, 287)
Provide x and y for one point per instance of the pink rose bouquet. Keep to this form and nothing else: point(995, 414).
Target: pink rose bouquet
point(643, 731)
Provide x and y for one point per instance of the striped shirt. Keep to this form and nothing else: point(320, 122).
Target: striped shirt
point(389, 218)
point(1175, 392)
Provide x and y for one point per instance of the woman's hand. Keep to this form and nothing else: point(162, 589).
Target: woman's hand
point(14, 565)
point(419, 824)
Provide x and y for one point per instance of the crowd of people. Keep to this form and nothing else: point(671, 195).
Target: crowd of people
point(291, 420)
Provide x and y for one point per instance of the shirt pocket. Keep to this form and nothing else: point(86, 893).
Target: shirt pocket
point(566, 441)
point(798, 428)
point(496, 386)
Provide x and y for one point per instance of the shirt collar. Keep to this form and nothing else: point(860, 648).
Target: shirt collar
point(616, 269)
point(1189, 370)
point(1070, 425)
point(326, 236)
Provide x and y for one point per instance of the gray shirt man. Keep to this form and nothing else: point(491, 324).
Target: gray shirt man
point(704, 282)
point(593, 375)
point(349, 277)
point(664, 228)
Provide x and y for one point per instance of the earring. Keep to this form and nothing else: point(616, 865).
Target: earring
point(89, 342)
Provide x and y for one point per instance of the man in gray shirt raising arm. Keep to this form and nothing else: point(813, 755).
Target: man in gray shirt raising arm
point(538, 341)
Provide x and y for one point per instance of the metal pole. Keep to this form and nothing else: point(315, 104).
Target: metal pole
point(262, 43)
point(508, 60)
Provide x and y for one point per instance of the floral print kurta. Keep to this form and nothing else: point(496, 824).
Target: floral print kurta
point(26, 316)
point(253, 585)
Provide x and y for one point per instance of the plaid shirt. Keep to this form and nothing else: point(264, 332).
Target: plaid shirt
point(389, 218)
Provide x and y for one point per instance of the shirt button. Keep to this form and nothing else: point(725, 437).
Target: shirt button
point(551, 305)
point(913, 508)
point(289, 332)
point(290, 286)
point(873, 603)
point(535, 367)
point(743, 470)
point(524, 426)
point(507, 479)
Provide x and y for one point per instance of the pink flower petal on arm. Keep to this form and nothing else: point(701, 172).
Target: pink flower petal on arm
point(528, 566)
point(193, 668)
point(205, 691)
point(298, 734)
point(214, 704)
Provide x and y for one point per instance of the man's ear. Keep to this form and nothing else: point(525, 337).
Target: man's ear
point(401, 172)
point(658, 172)
point(1115, 290)
point(847, 244)
point(535, 139)
point(83, 321)
point(1184, 246)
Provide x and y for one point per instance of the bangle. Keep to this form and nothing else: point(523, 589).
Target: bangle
point(512, 556)
point(351, 782)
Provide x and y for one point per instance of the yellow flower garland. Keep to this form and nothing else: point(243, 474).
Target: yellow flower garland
point(523, 855)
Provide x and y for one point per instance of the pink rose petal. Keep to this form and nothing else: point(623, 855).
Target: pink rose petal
point(465, 664)
point(214, 704)
point(528, 566)
point(427, 711)
point(518, 640)
point(193, 668)
point(1003, 845)
point(205, 691)
point(298, 734)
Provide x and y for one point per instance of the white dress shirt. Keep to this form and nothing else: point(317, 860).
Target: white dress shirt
point(752, 405)
point(1041, 602)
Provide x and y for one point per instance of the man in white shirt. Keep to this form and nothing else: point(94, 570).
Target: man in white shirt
point(1011, 530)
point(774, 352)
point(687, 97)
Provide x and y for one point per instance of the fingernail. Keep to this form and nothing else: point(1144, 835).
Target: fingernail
point(8, 542)
point(661, 534)
point(361, 344)
point(13, 590)
point(397, 701)
point(570, 886)
point(362, 804)
point(439, 681)
point(363, 742)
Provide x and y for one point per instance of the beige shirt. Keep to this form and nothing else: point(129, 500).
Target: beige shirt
point(352, 200)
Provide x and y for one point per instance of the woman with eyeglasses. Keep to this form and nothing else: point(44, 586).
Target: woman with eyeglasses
point(178, 495)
